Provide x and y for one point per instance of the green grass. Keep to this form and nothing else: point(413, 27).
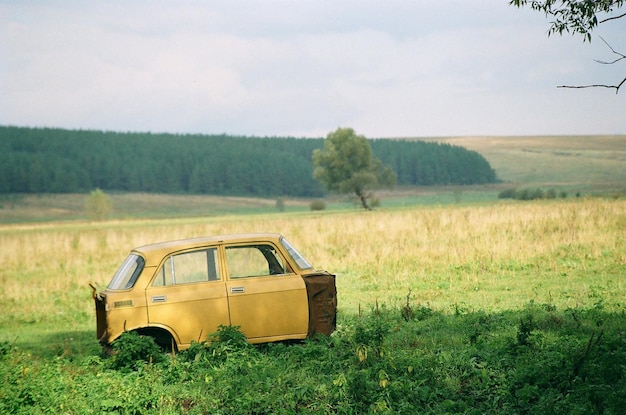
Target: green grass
point(416, 360)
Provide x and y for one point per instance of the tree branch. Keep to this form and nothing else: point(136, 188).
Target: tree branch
point(616, 87)
point(621, 55)
point(579, 17)
point(612, 18)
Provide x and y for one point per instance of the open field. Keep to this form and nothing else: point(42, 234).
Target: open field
point(497, 257)
point(508, 307)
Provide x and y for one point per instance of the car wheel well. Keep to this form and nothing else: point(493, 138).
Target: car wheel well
point(161, 336)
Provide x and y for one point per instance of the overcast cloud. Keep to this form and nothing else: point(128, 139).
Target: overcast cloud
point(303, 68)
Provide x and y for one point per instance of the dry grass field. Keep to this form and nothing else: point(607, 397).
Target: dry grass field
point(569, 253)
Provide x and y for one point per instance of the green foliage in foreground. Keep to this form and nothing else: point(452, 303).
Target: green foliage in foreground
point(413, 360)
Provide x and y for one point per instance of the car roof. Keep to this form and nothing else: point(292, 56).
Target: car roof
point(153, 253)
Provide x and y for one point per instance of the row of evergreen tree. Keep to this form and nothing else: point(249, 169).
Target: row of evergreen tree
point(46, 160)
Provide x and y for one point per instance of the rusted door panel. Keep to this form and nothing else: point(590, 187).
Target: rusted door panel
point(322, 296)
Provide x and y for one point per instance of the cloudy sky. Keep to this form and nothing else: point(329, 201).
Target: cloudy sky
point(391, 68)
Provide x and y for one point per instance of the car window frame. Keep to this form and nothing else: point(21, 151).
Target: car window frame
point(217, 260)
point(140, 264)
point(295, 255)
point(279, 255)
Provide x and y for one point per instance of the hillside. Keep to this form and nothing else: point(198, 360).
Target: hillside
point(586, 163)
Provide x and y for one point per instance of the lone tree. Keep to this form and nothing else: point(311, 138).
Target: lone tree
point(580, 17)
point(346, 165)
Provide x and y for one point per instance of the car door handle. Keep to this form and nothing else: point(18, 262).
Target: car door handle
point(159, 299)
point(235, 290)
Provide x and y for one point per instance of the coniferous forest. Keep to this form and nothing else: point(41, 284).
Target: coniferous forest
point(48, 160)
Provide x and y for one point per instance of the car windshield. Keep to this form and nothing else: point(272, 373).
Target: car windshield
point(127, 273)
point(295, 255)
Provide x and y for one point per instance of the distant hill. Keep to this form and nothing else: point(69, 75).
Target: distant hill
point(47, 160)
point(589, 162)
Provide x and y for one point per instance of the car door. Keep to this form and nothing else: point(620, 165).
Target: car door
point(267, 299)
point(187, 295)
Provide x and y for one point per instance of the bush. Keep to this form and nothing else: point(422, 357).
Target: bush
point(225, 341)
point(508, 193)
point(280, 204)
point(98, 205)
point(131, 348)
point(318, 205)
point(5, 348)
point(529, 194)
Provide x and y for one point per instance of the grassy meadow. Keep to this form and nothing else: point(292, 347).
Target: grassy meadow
point(496, 257)
point(450, 300)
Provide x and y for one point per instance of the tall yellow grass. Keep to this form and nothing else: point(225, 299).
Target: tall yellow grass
point(568, 252)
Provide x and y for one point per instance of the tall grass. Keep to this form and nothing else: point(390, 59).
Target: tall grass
point(568, 253)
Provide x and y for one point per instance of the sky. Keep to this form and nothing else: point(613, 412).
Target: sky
point(394, 68)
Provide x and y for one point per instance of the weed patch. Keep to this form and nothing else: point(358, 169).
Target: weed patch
point(534, 361)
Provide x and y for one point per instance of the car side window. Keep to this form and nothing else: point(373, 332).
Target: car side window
point(189, 267)
point(255, 261)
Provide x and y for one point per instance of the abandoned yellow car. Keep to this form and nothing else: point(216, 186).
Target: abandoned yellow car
point(181, 291)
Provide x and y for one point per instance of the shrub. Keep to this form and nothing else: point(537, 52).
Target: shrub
point(131, 348)
point(229, 335)
point(318, 204)
point(5, 348)
point(280, 204)
point(528, 194)
point(225, 341)
point(537, 194)
point(370, 332)
point(508, 194)
point(98, 205)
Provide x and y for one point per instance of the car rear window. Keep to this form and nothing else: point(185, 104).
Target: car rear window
point(127, 273)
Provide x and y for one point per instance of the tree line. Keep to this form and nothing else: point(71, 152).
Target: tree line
point(49, 160)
